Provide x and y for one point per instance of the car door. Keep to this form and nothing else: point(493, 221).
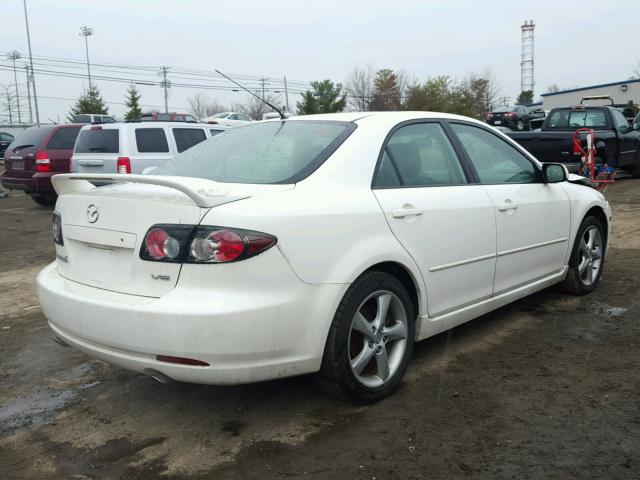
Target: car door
point(532, 217)
point(445, 223)
point(628, 140)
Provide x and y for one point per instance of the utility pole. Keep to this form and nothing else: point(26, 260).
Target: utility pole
point(263, 82)
point(6, 90)
point(86, 32)
point(26, 68)
point(166, 84)
point(33, 76)
point(286, 93)
point(15, 55)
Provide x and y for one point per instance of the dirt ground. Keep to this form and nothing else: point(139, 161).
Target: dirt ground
point(546, 388)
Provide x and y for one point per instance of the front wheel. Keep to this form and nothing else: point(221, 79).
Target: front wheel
point(370, 340)
point(587, 258)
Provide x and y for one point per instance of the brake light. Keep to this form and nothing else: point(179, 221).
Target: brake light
point(43, 164)
point(124, 165)
point(489, 116)
point(200, 244)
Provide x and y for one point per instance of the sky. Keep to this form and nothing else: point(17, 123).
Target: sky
point(577, 43)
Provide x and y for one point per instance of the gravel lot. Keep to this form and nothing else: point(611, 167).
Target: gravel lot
point(547, 388)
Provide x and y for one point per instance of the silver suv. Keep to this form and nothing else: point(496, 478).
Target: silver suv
point(136, 146)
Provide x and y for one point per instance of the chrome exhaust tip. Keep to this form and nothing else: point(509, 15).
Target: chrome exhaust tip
point(59, 341)
point(159, 377)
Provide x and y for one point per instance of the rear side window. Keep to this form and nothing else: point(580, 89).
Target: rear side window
point(419, 155)
point(574, 119)
point(82, 119)
point(64, 139)
point(98, 141)
point(151, 140)
point(215, 132)
point(187, 137)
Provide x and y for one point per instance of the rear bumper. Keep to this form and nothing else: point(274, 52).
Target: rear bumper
point(39, 182)
point(251, 335)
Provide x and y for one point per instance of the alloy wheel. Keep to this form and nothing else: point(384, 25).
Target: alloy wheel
point(590, 255)
point(377, 338)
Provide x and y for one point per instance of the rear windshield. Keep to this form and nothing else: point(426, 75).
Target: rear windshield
point(98, 141)
point(31, 137)
point(574, 119)
point(64, 139)
point(263, 153)
point(504, 109)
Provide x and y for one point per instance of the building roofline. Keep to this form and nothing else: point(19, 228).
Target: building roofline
point(601, 85)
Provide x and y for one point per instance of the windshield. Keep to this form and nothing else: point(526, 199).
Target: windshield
point(264, 153)
point(221, 115)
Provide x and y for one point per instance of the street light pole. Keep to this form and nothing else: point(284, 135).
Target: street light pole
point(33, 76)
point(15, 55)
point(26, 67)
point(86, 32)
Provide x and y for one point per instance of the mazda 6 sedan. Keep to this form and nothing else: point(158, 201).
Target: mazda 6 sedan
point(323, 244)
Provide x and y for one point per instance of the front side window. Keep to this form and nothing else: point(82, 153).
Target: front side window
point(64, 138)
point(262, 153)
point(151, 140)
point(494, 160)
point(418, 155)
point(188, 137)
point(619, 120)
point(98, 140)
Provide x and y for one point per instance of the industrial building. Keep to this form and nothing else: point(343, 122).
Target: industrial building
point(622, 92)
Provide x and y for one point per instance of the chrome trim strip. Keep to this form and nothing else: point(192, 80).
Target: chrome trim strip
point(437, 268)
point(628, 151)
point(530, 247)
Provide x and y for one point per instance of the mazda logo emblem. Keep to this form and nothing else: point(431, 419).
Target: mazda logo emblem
point(92, 214)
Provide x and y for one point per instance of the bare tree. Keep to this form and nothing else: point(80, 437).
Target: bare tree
point(7, 100)
point(202, 106)
point(359, 87)
point(256, 108)
point(553, 88)
point(636, 71)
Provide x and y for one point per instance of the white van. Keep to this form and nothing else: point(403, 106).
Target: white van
point(132, 147)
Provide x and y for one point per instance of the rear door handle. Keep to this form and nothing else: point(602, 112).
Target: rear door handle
point(405, 212)
point(507, 205)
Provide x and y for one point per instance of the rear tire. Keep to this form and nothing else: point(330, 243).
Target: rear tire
point(44, 200)
point(370, 340)
point(520, 125)
point(587, 258)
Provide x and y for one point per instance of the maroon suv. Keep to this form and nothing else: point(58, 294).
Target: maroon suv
point(34, 156)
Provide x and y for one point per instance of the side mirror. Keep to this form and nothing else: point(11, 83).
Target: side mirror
point(554, 172)
point(635, 126)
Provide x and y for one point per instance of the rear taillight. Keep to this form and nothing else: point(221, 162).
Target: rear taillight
point(489, 116)
point(56, 228)
point(213, 122)
point(43, 164)
point(200, 244)
point(124, 165)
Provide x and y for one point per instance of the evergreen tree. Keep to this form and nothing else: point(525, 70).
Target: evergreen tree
point(132, 102)
point(89, 102)
point(325, 98)
point(525, 98)
point(386, 93)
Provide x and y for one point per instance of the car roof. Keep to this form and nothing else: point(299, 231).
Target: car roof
point(385, 117)
point(156, 124)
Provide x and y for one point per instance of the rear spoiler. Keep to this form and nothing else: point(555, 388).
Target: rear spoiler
point(196, 189)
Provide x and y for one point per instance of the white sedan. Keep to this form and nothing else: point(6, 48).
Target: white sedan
point(324, 244)
point(231, 119)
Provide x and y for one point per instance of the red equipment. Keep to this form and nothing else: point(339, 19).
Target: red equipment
point(602, 175)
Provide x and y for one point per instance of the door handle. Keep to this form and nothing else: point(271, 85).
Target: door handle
point(507, 205)
point(405, 212)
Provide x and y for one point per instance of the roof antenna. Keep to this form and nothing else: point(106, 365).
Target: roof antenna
point(282, 117)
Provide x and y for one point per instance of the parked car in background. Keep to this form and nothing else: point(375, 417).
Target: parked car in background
point(536, 118)
point(167, 117)
point(34, 156)
point(515, 118)
point(617, 143)
point(132, 147)
point(5, 141)
point(232, 119)
point(321, 243)
point(93, 118)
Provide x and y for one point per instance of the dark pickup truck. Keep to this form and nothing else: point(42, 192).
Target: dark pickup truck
point(617, 143)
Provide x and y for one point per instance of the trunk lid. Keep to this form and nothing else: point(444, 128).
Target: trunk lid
point(104, 227)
